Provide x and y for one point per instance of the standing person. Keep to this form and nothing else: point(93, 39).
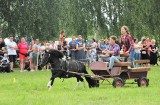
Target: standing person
point(148, 43)
point(53, 45)
point(93, 51)
point(100, 49)
point(72, 48)
point(2, 46)
point(30, 55)
point(64, 46)
point(61, 36)
point(35, 54)
point(11, 49)
point(137, 48)
point(144, 51)
point(23, 51)
point(80, 46)
point(140, 42)
point(153, 52)
point(128, 44)
point(101, 46)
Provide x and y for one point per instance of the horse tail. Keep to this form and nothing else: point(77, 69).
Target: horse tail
point(91, 82)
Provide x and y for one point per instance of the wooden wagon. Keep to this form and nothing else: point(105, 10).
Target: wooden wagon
point(122, 71)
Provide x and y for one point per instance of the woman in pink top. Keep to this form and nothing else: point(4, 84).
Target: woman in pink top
point(23, 50)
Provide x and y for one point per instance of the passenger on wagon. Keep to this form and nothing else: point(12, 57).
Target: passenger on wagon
point(127, 42)
point(113, 52)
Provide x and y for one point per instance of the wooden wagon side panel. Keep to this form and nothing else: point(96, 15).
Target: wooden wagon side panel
point(138, 72)
point(99, 66)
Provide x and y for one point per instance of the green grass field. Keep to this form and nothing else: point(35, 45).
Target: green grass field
point(30, 88)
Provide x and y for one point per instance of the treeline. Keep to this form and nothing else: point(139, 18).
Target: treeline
point(46, 18)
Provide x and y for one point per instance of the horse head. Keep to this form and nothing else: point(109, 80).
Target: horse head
point(52, 56)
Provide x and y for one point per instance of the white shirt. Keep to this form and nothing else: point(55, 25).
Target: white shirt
point(11, 51)
point(94, 49)
point(137, 50)
point(36, 47)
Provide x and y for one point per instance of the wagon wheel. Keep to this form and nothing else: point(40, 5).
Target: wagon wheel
point(143, 82)
point(118, 82)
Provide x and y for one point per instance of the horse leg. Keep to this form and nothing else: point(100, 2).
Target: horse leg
point(50, 83)
point(54, 75)
point(79, 80)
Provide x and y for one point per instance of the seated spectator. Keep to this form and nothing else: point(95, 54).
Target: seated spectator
point(5, 63)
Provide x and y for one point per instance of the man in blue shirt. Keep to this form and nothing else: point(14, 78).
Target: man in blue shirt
point(79, 37)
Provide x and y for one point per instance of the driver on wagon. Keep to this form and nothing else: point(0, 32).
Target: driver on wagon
point(112, 53)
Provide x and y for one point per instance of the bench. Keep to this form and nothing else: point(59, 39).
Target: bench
point(142, 63)
point(139, 69)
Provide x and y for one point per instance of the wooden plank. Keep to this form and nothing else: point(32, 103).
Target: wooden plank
point(104, 65)
point(99, 65)
point(121, 64)
point(139, 69)
point(124, 55)
point(142, 61)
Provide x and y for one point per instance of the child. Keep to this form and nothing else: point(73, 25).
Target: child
point(5, 63)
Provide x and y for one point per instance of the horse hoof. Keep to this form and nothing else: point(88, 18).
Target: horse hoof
point(49, 87)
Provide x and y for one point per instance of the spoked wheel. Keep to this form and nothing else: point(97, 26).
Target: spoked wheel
point(118, 82)
point(143, 82)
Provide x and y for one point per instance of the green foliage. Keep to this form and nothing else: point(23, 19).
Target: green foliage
point(46, 18)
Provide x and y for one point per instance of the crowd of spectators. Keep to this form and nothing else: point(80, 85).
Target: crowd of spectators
point(76, 49)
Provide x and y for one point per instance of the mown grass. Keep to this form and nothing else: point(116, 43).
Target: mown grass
point(30, 88)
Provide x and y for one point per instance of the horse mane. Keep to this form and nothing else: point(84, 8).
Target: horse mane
point(56, 53)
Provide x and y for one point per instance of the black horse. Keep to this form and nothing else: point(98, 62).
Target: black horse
point(64, 68)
